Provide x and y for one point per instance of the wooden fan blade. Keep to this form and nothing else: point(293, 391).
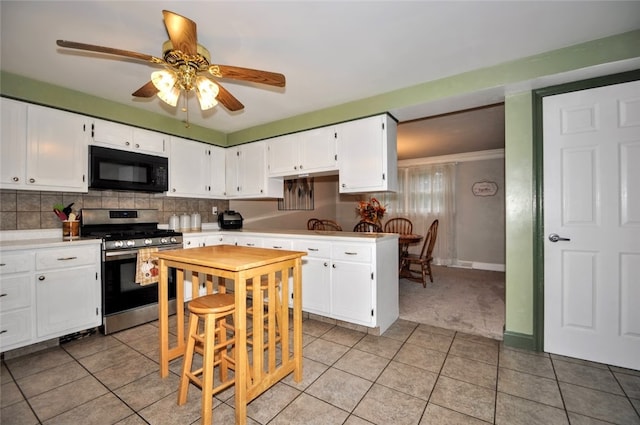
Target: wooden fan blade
point(182, 32)
point(108, 50)
point(148, 90)
point(246, 74)
point(228, 100)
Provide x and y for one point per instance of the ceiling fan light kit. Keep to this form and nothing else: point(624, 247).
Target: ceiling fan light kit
point(188, 68)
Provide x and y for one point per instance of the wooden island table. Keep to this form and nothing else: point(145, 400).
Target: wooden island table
point(243, 266)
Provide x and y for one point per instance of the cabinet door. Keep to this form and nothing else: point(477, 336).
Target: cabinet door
point(282, 155)
point(67, 301)
point(232, 165)
point(316, 293)
point(367, 155)
point(149, 142)
point(189, 168)
point(318, 150)
point(112, 134)
point(251, 172)
point(13, 143)
point(351, 292)
point(217, 175)
point(57, 156)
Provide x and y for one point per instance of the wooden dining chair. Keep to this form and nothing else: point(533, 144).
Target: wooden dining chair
point(311, 223)
point(367, 226)
point(324, 224)
point(400, 225)
point(424, 259)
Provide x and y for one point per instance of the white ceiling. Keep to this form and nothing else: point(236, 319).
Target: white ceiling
point(331, 52)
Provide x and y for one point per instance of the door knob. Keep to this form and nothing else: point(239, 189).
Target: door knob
point(555, 238)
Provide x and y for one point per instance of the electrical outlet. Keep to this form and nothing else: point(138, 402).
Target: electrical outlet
point(214, 210)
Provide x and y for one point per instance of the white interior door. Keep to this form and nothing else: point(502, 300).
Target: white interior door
point(592, 198)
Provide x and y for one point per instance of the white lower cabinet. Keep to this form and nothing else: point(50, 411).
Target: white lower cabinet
point(316, 276)
point(352, 281)
point(48, 293)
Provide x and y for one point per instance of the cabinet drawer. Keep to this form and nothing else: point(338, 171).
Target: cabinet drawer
point(360, 253)
point(15, 327)
point(65, 257)
point(16, 262)
point(277, 243)
point(313, 248)
point(15, 292)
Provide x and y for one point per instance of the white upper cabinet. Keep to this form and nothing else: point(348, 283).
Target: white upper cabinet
point(196, 169)
point(13, 144)
point(246, 173)
point(307, 152)
point(43, 148)
point(367, 155)
point(125, 137)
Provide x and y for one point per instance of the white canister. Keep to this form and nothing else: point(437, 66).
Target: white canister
point(196, 222)
point(174, 222)
point(185, 223)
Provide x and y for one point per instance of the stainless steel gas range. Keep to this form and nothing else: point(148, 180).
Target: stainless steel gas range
point(124, 232)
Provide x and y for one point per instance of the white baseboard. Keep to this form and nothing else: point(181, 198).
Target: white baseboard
point(479, 266)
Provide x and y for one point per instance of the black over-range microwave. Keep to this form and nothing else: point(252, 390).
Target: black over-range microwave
point(114, 169)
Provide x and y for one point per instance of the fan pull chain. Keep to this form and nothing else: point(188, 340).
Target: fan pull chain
point(185, 108)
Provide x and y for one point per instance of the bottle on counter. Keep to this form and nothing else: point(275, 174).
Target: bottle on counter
point(174, 223)
point(196, 222)
point(185, 223)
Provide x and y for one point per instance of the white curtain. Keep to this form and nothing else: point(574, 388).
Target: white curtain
point(426, 193)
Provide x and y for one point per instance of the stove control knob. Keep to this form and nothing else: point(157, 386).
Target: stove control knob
point(174, 239)
point(164, 240)
point(148, 241)
point(118, 244)
point(131, 243)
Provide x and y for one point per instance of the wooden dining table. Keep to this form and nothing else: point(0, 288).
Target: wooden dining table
point(241, 265)
point(404, 241)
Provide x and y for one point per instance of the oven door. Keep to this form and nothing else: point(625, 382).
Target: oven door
point(120, 290)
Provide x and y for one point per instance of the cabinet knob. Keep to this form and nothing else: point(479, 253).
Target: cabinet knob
point(333, 265)
point(137, 145)
point(32, 180)
point(173, 190)
point(40, 278)
point(301, 167)
point(326, 264)
point(16, 179)
point(127, 143)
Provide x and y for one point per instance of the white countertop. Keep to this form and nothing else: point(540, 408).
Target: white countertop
point(295, 233)
point(39, 238)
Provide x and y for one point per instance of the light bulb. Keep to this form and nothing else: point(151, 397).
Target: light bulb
point(206, 90)
point(165, 82)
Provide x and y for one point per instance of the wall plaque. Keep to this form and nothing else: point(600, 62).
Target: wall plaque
point(484, 188)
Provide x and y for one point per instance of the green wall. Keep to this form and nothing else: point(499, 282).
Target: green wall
point(519, 181)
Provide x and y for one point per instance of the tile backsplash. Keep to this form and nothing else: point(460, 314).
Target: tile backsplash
point(22, 209)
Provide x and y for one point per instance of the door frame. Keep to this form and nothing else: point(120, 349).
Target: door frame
point(538, 192)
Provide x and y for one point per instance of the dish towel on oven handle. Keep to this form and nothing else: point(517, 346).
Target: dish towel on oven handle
point(147, 266)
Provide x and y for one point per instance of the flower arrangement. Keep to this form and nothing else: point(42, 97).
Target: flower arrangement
point(371, 210)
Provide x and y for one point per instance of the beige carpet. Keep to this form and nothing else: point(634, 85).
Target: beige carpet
point(464, 300)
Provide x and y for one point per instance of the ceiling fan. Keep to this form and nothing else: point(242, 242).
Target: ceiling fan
point(187, 66)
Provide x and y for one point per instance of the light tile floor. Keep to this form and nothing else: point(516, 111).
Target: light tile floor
point(412, 374)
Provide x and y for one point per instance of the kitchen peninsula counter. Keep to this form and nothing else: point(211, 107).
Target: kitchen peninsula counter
point(349, 277)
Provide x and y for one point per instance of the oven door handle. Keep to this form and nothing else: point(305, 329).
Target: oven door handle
point(119, 255)
point(129, 254)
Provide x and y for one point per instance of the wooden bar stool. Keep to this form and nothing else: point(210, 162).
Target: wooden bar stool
point(214, 345)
